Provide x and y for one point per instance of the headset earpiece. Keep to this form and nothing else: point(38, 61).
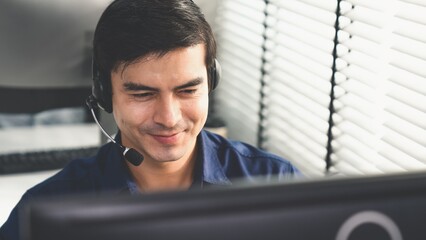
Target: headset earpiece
point(101, 88)
point(215, 73)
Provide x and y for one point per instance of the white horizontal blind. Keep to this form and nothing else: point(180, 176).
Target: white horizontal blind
point(379, 123)
point(298, 73)
point(240, 38)
point(380, 119)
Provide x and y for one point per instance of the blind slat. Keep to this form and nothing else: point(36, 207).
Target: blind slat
point(407, 96)
point(311, 137)
point(299, 116)
point(303, 22)
point(417, 2)
point(403, 144)
point(411, 12)
point(307, 10)
point(305, 50)
point(322, 41)
point(303, 87)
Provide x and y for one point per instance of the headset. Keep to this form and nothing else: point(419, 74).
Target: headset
point(101, 97)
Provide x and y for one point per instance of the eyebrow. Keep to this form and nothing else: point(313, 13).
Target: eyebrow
point(131, 86)
point(195, 82)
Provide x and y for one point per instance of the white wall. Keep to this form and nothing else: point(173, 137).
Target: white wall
point(209, 8)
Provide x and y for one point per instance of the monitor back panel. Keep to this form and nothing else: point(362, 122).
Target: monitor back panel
point(389, 207)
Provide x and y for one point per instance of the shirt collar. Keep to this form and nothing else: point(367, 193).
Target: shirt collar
point(208, 150)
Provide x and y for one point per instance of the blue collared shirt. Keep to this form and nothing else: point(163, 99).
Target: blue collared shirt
point(219, 162)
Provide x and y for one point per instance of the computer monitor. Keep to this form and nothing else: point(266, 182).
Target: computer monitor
point(380, 207)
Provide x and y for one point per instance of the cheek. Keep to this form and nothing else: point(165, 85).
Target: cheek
point(129, 114)
point(198, 110)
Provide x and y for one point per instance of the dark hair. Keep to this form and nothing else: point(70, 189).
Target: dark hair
point(128, 30)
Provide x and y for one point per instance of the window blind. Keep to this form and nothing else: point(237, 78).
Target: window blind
point(240, 39)
point(298, 71)
point(380, 121)
point(285, 61)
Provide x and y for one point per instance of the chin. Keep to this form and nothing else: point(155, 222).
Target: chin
point(167, 155)
point(167, 159)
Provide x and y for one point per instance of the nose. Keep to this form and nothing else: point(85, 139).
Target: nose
point(167, 112)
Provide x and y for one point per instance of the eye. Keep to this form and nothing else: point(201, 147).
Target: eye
point(188, 91)
point(143, 95)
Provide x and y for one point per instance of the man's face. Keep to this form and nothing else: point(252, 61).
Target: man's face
point(161, 103)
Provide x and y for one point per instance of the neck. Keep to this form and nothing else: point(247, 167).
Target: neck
point(153, 176)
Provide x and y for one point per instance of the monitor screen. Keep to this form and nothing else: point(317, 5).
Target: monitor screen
point(379, 207)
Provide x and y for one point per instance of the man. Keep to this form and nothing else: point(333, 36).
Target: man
point(154, 66)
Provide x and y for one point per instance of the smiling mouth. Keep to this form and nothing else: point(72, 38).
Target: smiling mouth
point(166, 138)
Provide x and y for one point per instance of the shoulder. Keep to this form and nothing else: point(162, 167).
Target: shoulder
point(78, 176)
point(245, 159)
